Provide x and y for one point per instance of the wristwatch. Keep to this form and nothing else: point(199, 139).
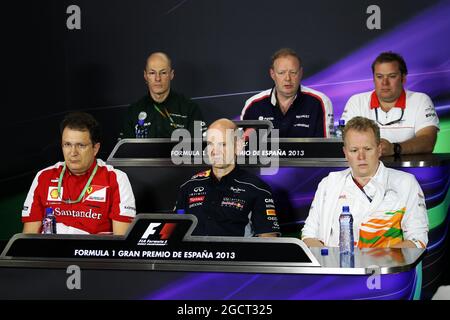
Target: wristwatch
point(397, 149)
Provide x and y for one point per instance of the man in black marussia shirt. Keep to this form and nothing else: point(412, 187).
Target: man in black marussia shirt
point(227, 200)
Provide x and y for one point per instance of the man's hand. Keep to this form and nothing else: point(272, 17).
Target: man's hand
point(387, 148)
point(311, 242)
point(32, 227)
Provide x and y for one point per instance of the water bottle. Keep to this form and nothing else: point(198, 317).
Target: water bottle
point(339, 128)
point(49, 222)
point(346, 260)
point(346, 242)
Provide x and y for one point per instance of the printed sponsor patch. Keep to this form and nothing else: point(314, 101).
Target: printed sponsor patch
point(266, 118)
point(303, 125)
point(53, 195)
point(196, 199)
point(202, 174)
point(233, 203)
point(237, 189)
point(96, 193)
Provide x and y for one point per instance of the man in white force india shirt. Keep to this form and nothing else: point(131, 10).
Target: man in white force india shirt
point(388, 206)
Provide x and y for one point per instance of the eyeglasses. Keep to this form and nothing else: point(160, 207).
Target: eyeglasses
point(78, 146)
point(161, 74)
point(292, 73)
point(390, 122)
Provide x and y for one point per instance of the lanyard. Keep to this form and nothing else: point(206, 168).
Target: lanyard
point(165, 115)
point(88, 184)
point(362, 189)
point(390, 122)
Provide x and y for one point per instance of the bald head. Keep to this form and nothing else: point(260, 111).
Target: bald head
point(223, 124)
point(222, 144)
point(158, 74)
point(160, 57)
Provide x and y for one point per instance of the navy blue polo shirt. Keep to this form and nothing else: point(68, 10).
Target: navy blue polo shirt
point(306, 117)
point(239, 204)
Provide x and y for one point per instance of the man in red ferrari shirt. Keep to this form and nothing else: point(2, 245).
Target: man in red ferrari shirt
point(86, 195)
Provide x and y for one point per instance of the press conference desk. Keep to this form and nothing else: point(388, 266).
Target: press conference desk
point(236, 269)
point(155, 180)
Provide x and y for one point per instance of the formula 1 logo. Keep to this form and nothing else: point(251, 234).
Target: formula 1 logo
point(151, 236)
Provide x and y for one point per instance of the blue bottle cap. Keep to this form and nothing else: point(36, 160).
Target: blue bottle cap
point(324, 251)
point(180, 211)
point(345, 209)
point(48, 211)
point(342, 122)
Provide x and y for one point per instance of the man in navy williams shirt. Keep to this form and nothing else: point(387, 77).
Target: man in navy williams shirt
point(297, 111)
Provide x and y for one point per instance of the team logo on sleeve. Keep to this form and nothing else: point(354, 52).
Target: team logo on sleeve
point(269, 203)
point(95, 193)
point(202, 174)
point(53, 195)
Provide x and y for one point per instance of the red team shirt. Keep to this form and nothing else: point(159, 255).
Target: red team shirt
point(108, 198)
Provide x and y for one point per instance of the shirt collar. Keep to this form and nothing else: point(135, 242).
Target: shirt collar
point(87, 173)
point(231, 175)
point(273, 96)
point(400, 103)
point(377, 182)
point(169, 96)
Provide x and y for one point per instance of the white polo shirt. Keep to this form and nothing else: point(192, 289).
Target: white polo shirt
point(417, 108)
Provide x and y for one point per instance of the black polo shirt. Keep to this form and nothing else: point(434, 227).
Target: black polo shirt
point(310, 114)
point(182, 113)
point(240, 204)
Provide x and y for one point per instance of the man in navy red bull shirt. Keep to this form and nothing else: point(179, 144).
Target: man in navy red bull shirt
point(227, 200)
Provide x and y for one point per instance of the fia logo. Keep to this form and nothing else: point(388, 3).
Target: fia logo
point(151, 237)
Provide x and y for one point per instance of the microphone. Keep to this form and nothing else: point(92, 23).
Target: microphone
point(141, 131)
point(141, 118)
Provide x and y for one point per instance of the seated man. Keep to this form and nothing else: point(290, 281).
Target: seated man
point(227, 200)
point(388, 206)
point(162, 110)
point(86, 195)
point(408, 121)
point(295, 110)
